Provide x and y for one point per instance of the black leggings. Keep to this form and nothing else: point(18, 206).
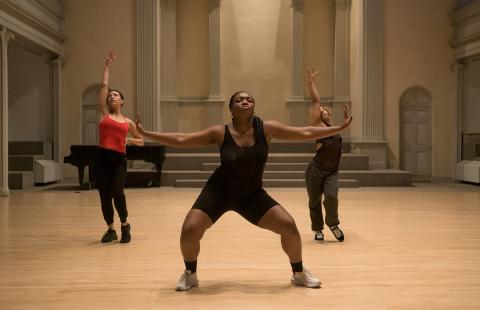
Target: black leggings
point(110, 176)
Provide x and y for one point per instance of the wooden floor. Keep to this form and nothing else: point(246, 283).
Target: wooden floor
point(405, 248)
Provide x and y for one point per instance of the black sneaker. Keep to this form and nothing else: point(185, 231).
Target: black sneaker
point(126, 237)
point(109, 236)
point(338, 233)
point(319, 235)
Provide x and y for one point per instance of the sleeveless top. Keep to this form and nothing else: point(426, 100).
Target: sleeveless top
point(241, 169)
point(329, 154)
point(112, 134)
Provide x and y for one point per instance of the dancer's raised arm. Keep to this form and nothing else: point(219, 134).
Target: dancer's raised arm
point(103, 93)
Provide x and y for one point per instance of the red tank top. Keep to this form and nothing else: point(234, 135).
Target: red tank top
point(112, 134)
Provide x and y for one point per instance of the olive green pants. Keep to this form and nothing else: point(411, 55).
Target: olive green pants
point(322, 183)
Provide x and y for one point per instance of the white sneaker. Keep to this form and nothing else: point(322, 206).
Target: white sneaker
point(187, 281)
point(305, 278)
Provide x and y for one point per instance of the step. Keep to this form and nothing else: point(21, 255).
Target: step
point(268, 166)
point(274, 147)
point(379, 177)
point(22, 162)
point(20, 179)
point(197, 161)
point(268, 183)
point(142, 178)
point(30, 148)
point(348, 162)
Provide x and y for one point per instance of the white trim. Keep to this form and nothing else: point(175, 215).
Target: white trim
point(31, 33)
point(5, 37)
point(37, 12)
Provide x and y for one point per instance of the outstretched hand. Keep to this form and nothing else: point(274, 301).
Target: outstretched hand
point(110, 58)
point(138, 124)
point(347, 119)
point(312, 74)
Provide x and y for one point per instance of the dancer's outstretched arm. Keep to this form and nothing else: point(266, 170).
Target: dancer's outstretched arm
point(103, 93)
point(207, 136)
point(316, 109)
point(274, 129)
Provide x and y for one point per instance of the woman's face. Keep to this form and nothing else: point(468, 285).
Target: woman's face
point(326, 117)
point(114, 99)
point(243, 103)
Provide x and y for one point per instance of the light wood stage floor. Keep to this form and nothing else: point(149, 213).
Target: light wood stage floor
point(405, 248)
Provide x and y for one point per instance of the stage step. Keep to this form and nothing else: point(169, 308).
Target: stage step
point(142, 178)
point(20, 179)
point(268, 183)
point(22, 162)
point(209, 161)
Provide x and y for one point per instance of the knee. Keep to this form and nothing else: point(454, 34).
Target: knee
point(118, 193)
point(331, 198)
point(290, 228)
point(191, 231)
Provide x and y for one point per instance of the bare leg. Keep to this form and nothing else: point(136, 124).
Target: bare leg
point(194, 226)
point(278, 220)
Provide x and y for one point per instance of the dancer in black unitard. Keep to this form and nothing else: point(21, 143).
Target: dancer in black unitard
point(237, 184)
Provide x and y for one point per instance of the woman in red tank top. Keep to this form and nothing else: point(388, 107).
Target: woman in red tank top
point(111, 162)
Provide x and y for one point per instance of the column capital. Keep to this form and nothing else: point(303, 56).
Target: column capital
point(6, 35)
point(343, 2)
point(297, 3)
point(213, 4)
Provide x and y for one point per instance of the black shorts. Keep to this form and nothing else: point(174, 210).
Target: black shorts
point(215, 202)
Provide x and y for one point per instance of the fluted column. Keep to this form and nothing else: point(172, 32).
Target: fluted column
point(57, 112)
point(341, 73)
point(6, 36)
point(148, 63)
point(168, 67)
point(214, 104)
point(373, 70)
point(369, 138)
point(342, 50)
point(296, 104)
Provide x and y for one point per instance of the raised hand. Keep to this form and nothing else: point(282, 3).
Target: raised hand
point(347, 119)
point(312, 74)
point(110, 58)
point(138, 124)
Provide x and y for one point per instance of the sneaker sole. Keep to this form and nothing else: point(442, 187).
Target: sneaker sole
point(186, 289)
point(109, 241)
point(309, 286)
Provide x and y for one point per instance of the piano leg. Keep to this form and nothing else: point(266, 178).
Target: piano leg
point(158, 181)
point(91, 177)
point(81, 169)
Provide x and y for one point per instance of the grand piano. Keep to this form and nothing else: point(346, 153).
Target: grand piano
point(83, 156)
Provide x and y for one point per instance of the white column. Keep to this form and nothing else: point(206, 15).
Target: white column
point(168, 67)
point(342, 50)
point(148, 63)
point(297, 106)
point(57, 110)
point(6, 36)
point(341, 73)
point(368, 137)
point(214, 104)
